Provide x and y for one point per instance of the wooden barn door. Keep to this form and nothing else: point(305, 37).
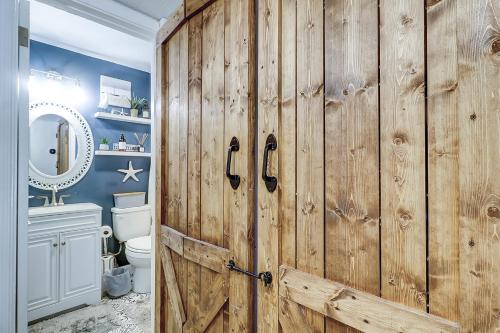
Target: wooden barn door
point(205, 167)
point(342, 189)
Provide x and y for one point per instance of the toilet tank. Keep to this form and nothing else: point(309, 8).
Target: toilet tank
point(131, 222)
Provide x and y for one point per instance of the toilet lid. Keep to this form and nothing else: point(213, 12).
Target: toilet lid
point(139, 244)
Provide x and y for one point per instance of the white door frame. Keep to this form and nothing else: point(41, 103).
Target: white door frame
point(9, 20)
point(22, 172)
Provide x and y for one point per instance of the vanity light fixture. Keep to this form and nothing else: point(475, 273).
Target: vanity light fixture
point(53, 85)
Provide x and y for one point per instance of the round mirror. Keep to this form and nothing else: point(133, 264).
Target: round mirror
point(53, 145)
point(61, 146)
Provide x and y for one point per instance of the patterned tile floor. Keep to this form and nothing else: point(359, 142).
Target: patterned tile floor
point(128, 314)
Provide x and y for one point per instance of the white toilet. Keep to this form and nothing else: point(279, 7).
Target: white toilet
point(133, 226)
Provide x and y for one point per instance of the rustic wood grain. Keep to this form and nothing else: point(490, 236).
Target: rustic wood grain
point(172, 238)
point(363, 311)
point(192, 6)
point(287, 134)
point(212, 133)
point(206, 254)
point(351, 147)
point(310, 149)
point(267, 205)
point(443, 176)
point(172, 22)
point(182, 226)
point(159, 130)
point(172, 287)
point(209, 306)
point(239, 121)
point(478, 33)
point(173, 166)
point(293, 317)
point(194, 283)
point(402, 152)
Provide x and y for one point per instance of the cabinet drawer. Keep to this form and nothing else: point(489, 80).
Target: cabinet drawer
point(55, 223)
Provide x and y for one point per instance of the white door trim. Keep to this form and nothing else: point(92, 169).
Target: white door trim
point(9, 16)
point(22, 170)
point(111, 14)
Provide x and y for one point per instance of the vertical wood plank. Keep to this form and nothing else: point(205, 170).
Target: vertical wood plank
point(194, 158)
point(181, 269)
point(310, 144)
point(267, 206)
point(212, 134)
point(173, 187)
point(402, 152)
point(443, 176)
point(160, 151)
point(239, 123)
point(287, 134)
point(351, 146)
point(193, 5)
point(478, 34)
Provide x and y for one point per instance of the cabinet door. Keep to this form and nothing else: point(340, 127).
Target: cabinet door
point(79, 271)
point(42, 270)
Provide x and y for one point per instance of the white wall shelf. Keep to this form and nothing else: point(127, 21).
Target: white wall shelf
point(121, 153)
point(127, 119)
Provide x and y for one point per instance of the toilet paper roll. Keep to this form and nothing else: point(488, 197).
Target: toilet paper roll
point(106, 231)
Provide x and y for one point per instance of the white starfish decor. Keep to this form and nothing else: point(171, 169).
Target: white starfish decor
point(130, 172)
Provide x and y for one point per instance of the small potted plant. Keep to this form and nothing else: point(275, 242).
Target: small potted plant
point(104, 145)
point(136, 103)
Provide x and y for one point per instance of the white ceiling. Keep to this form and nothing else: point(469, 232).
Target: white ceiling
point(61, 28)
point(157, 9)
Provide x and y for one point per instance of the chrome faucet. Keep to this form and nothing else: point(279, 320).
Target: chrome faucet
point(54, 199)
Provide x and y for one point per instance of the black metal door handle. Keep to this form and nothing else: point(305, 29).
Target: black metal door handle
point(270, 181)
point(233, 179)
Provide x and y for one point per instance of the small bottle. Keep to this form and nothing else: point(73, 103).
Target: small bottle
point(122, 143)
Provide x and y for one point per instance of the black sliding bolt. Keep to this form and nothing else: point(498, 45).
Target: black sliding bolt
point(266, 277)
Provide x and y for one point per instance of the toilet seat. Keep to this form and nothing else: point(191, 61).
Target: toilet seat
point(139, 245)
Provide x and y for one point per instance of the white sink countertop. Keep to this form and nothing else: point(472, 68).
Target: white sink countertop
point(64, 209)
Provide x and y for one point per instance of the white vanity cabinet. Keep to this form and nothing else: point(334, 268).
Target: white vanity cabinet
point(64, 252)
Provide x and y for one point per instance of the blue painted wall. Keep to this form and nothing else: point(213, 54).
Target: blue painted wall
point(102, 180)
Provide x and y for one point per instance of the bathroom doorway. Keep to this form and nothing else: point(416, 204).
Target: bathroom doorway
point(88, 161)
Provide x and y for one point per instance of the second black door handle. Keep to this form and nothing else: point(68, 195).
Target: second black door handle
point(234, 180)
point(270, 181)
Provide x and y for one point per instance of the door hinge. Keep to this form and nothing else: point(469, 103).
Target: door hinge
point(23, 36)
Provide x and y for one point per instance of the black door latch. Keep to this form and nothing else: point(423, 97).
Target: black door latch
point(267, 277)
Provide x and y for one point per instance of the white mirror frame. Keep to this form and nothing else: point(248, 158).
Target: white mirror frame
point(85, 142)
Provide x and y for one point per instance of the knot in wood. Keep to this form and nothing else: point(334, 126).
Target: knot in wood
point(493, 212)
point(308, 208)
point(399, 139)
point(406, 20)
point(404, 219)
point(495, 46)
point(473, 117)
